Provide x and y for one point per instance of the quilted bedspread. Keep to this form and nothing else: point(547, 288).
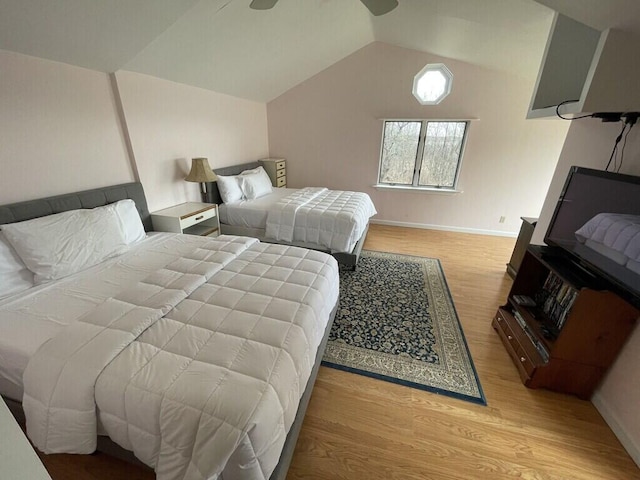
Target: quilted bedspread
point(620, 232)
point(198, 369)
point(334, 219)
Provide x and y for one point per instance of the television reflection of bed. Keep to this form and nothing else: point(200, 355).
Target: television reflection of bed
point(197, 354)
point(612, 240)
point(315, 218)
point(597, 222)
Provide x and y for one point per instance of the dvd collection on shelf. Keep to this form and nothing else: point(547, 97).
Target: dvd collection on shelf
point(537, 343)
point(555, 299)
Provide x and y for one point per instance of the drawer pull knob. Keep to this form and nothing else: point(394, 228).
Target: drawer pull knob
point(509, 337)
point(522, 359)
point(200, 217)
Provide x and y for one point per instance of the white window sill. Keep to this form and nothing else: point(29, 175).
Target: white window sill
point(407, 188)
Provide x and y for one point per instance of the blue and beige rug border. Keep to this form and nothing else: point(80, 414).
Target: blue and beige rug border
point(454, 376)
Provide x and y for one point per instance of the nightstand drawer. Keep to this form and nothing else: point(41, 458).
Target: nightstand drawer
point(281, 173)
point(280, 165)
point(197, 217)
point(281, 181)
point(191, 217)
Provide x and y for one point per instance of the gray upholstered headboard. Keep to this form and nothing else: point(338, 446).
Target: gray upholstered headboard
point(232, 170)
point(97, 197)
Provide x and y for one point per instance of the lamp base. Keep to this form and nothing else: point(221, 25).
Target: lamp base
point(206, 194)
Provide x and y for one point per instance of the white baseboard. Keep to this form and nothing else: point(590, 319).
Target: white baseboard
point(423, 226)
point(616, 426)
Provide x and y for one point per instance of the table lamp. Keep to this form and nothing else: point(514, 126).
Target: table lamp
point(201, 172)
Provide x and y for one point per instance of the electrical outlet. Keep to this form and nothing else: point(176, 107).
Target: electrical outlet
point(502, 219)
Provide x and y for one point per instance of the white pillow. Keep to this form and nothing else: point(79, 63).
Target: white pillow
point(130, 221)
point(14, 275)
point(59, 245)
point(255, 183)
point(253, 170)
point(229, 188)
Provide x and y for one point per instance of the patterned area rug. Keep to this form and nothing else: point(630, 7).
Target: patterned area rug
point(397, 322)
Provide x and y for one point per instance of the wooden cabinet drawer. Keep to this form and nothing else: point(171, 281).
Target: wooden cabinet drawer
point(280, 165)
point(281, 172)
point(524, 361)
point(511, 336)
point(505, 327)
point(506, 334)
point(281, 182)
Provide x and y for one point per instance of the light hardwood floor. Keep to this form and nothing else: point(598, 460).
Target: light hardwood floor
point(361, 428)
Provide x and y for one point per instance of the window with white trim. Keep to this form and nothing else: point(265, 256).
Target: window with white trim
point(422, 153)
point(432, 84)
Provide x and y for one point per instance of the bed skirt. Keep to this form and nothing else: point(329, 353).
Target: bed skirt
point(350, 259)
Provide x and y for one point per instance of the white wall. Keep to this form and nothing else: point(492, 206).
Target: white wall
point(589, 144)
point(170, 123)
point(329, 130)
point(59, 130)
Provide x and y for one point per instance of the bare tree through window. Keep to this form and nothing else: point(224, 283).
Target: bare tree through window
point(422, 153)
point(399, 150)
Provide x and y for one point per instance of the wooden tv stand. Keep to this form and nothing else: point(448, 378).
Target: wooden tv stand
point(568, 340)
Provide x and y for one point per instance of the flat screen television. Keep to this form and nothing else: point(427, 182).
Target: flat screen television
point(597, 222)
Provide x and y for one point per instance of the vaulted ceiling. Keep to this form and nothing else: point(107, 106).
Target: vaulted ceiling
point(225, 46)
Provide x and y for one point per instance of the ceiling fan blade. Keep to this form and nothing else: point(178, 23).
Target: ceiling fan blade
point(262, 4)
point(379, 7)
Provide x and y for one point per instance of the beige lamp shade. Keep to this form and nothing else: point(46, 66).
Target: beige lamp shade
point(201, 171)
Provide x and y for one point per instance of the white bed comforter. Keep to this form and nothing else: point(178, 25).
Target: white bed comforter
point(198, 369)
point(334, 219)
point(619, 232)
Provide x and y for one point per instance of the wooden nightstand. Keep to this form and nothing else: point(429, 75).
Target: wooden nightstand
point(523, 241)
point(193, 218)
point(276, 168)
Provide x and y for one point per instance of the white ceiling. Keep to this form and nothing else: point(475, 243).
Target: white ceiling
point(225, 46)
point(101, 35)
point(600, 14)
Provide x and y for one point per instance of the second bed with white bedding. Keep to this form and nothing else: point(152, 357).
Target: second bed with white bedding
point(252, 213)
point(333, 220)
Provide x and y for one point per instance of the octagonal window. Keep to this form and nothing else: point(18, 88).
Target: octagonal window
point(432, 84)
